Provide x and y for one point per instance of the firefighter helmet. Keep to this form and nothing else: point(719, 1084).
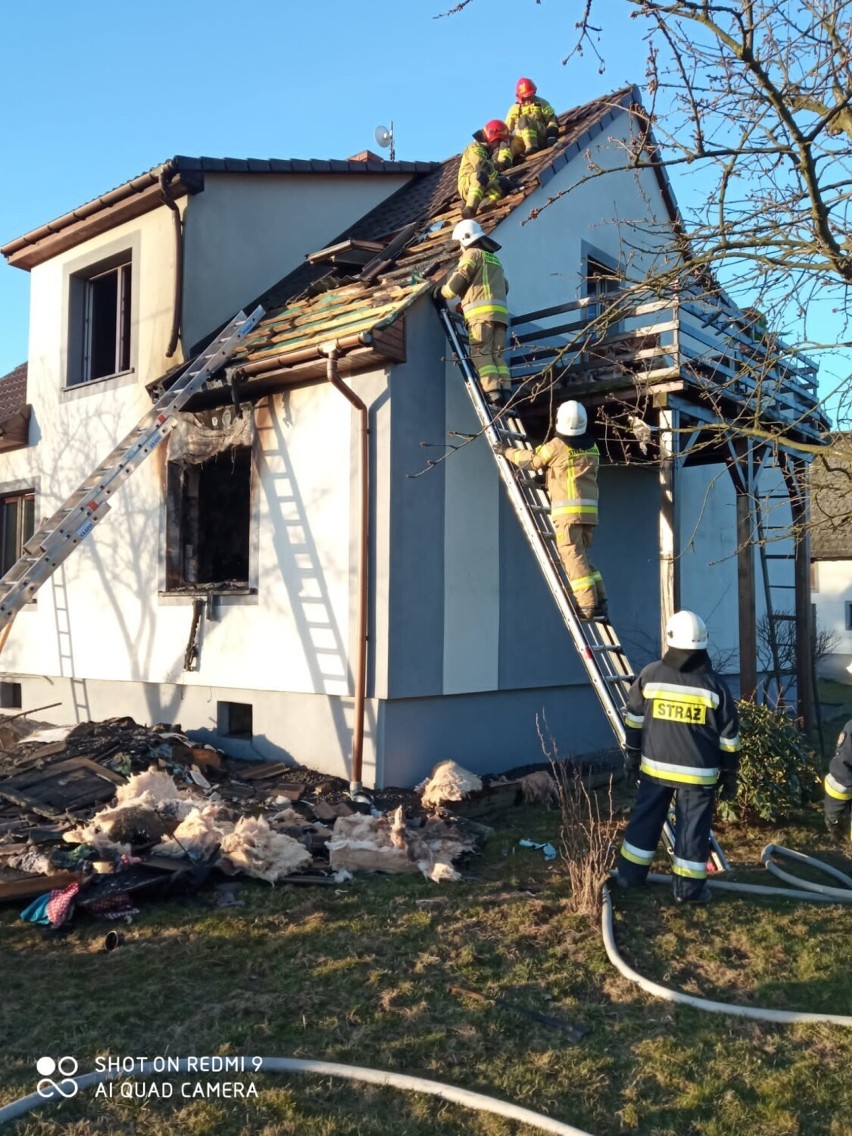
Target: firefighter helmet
point(571, 419)
point(525, 89)
point(467, 232)
point(495, 131)
point(686, 630)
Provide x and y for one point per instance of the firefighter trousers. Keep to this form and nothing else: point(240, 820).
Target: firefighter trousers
point(574, 540)
point(472, 193)
point(693, 819)
point(487, 353)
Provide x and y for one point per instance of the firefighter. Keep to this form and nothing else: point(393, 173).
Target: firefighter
point(532, 124)
point(571, 461)
point(683, 741)
point(478, 176)
point(479, 281)
point(837, 804)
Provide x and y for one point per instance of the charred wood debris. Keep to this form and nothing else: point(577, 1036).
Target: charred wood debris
point(108, 814)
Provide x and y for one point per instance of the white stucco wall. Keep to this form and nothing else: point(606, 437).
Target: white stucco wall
point(832, 591)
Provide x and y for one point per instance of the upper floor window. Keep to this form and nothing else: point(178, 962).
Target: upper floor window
point(17, 525)
point(601, 279)
point(100, 320)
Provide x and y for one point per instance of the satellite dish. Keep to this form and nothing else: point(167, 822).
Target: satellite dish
point(384, 137)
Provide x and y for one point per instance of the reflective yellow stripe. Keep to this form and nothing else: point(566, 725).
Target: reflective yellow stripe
point(487, 311)
point(634, 721)
point(691, 869)
point(834, 789)
point(730, 745)
point(581, 583)
point(575, 510)
point(683, 774)
point(636, 855)
point(674, 692)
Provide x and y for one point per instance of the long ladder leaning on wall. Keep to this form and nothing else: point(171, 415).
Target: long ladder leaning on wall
point(58, 536)
point(596, 642)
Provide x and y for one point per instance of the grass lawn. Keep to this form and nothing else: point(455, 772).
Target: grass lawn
point(361, 974)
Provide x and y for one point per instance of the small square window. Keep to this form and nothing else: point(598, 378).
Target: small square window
point(234, 719)
point(17, 525)
point(10, 696)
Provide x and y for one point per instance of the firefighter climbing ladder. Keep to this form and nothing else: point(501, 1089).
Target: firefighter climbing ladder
point(57, 537)
point(597, 644)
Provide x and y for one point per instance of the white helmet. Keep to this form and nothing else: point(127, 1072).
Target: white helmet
point(686, 630)
point(466, 232)
point(571, 419)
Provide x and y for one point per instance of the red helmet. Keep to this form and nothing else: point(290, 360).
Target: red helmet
point(495, 131)
point(525, 89)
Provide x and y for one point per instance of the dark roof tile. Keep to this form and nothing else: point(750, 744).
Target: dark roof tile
point(13, 392)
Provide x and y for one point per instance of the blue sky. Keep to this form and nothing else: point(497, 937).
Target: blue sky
point(98, 91)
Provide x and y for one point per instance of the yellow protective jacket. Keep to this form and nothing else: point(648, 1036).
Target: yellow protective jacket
point(481, 284)
point(539, 110)
point(572, 476)
point(476, 159)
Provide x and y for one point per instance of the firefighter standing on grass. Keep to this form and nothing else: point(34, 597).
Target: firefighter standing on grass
point(837, 804)
point(479, 179)
point(571, 461)
point(479, 281)
point(683, 741)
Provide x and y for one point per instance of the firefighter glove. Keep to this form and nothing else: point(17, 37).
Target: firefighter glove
point(551, 140)
point(500, 448)
point(482, 177)
point(632, 760)
point(727, 786)
point(505, 185)
point(437, 295)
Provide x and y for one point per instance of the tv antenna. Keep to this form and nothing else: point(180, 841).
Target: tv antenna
point(384, 137)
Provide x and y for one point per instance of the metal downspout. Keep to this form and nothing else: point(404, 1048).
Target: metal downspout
point(177, 307)
point(331, 352)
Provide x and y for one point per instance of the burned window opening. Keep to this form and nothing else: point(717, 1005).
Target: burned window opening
point(209, 511)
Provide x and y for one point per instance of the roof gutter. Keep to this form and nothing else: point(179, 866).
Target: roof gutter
point(331, 351)
point(304, 355)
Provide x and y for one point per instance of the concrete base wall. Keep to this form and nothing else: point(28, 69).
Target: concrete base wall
point(403, 739)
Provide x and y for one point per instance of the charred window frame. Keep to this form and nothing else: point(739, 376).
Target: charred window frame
point(208, 523)
point(17, 525)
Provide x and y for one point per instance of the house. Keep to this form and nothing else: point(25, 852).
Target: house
point(831, 554)
point(322, 566)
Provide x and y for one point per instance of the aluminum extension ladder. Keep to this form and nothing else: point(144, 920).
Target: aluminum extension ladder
point(596, 641)
point(57, 537)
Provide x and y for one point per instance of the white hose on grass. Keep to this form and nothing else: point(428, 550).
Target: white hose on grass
point(811, 892)
point(464, 1097)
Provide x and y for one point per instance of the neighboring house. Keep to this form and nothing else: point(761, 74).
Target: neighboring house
point(831, 554)
point(223, 592)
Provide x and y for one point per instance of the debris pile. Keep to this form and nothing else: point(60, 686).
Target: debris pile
point(91, 815)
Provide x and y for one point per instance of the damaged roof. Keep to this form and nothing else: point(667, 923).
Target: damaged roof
point(312, 306)
point(14, 410)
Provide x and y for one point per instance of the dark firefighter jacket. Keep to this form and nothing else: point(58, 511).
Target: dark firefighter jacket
point(481, 283)
point(683, 717)
point(838, 780)
point(572, 475)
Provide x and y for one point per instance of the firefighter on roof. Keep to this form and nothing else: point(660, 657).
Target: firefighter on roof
point(571, 461)
point(532, 124)
point(683, 741)
point(479, 178)
point(837, 804)
point(479, 281)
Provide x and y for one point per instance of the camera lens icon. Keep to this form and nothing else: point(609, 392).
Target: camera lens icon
point(66, 1067)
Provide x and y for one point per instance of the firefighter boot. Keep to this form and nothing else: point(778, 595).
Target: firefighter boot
point(704, 896)
point(836, 829)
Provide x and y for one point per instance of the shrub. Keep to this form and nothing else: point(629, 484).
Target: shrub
point(779, 772)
